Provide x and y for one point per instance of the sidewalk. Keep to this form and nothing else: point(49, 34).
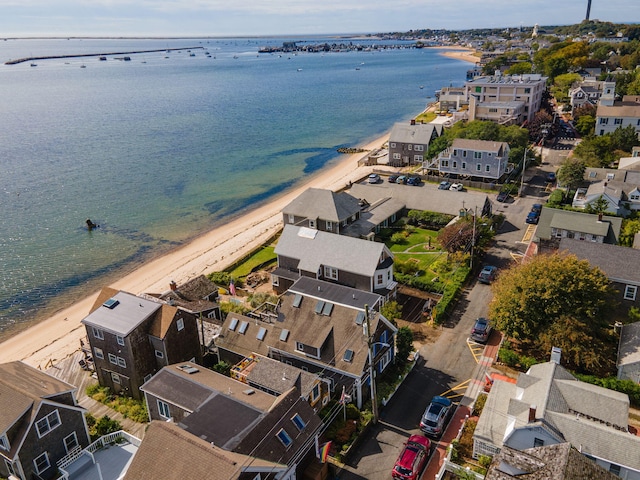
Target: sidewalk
point(440, 452)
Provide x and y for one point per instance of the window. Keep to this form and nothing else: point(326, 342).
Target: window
point(330, 272)
point(180, 324)
point(292, 218)
point(275, 280)
point(70, 442)
point(464, 154)
point(329, 226)
point(409, 147)
point(444, 163)
point(419, 148)
point(478, 89)
point(348, 355)
point(479, 167)
point(97, 352)
point(538, 442)
point(48, 423)
point(41, 463)
point(493, 110)
point(464, 165)
point(380, 279)
point(163, 409)
point(122, 363)
point(315, 392)
point(630, 292)
point(617, 121)
point(115, 378)
point(298, 422)
point(604, 121)
point(147, 377)
point(113, 359)
point(615, 469)
point(312, 223)
point(284, 437)
point(120, 340)
point(392, 145)
point(10, 468)
point(487, 168)
point(97, 333)
point(4, 443)
point(159, 354)
point(396, 156)
point(527, 90)
point(300, 346)
point(455, 165)
point(477, 155)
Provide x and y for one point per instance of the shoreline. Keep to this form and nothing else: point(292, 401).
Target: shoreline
point(459, 53)
point(58, 336)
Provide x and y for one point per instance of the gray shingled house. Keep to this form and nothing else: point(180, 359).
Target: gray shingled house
point(409, 142)
point(550, 406)
point(555, 224)
point(474, 158)
point(353, 262)
point(319, 327)
point(322, 209)
point(131, 338)
point(234, 417)
point(40, 422)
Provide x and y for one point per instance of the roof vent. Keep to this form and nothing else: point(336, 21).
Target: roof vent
point(188, 369)
point(111, 303)
point(249, 391)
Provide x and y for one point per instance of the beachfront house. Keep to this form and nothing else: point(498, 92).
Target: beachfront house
point(409, 142)
point(547, 406)
point(191, 457)
point(322, 209)
point(234, 417)
point(481, 159)
point(320, 327)
point(131, 338)
point(349, 261)
point(40, 423)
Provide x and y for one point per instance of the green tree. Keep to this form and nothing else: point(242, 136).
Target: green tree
point(555, 299)
point(391, 310)
point(520, 68)
point(571, 173)
point(599, 205)
point(457, 236)
point(404, 343)
point(223, 368)
point(585, 125)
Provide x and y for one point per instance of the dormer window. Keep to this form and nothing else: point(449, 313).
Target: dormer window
point(180, 324)
point(4, 442)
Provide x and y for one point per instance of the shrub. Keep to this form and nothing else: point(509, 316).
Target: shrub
point(508, 357)
point(223, 368)
point(399, 238)
point(479, 405)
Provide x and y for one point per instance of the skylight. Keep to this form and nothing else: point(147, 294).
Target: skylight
point(261, 333)
point(233, 324)
point(348, 355)
point(284, 335)
point(297, 300)
point(243, 327)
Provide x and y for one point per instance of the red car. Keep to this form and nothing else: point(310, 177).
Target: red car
point(412, 459)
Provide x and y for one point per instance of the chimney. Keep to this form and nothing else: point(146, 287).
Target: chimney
point(600, 217)
point(413, 121)
point(556, 354)
point(173, 286)
point(532, 413)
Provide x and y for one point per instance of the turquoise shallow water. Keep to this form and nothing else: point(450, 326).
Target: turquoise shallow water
point(166, 146)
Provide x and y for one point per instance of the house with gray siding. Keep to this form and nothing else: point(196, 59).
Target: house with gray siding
point(409, 142)
point(548, 406)
point(353, 262)
point(474, 158)
point(322, 209)
point(132, 337)
point(555, 224)
point(40, 423)
point(234, 417)
point(612, 114)
point(320, 327)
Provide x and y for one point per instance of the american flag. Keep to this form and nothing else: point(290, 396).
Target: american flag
point(232, 288)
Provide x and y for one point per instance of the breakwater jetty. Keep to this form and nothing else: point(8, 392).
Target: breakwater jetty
point(102, 54)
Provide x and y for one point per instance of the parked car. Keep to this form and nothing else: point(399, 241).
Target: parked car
point(502, 196)
point(458, 187)
point(551, 177)
point(412, 459)
point(444, 185)
point(374, 178)
point(532, 218)
point(393, 178)
point(416, 181)
point(481, 330)
point(436, 416)
point(487, 274)
point(402, 179)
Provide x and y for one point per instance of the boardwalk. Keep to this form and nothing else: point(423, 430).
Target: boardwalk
point(69, 370)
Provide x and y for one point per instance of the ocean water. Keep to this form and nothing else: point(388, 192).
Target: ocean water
point(161, 148)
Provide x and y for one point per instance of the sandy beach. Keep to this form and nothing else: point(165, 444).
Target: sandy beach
point(461, 53)
point(59, 336)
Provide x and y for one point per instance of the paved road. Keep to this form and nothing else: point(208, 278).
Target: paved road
point(448, 366)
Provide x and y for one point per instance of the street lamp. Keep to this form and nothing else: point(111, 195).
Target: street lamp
point(372, 370)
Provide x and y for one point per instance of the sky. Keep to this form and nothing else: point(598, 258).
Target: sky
point(223, 18)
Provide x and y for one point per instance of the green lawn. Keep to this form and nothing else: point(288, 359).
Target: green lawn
point(421, 248)
point(261, 258)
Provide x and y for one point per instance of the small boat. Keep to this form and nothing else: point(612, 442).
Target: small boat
point(34, 64)
point(421, 87)
point(299, 69)
point(127, 59)
point(103, 59)
point(192, 54)
point(83, 66)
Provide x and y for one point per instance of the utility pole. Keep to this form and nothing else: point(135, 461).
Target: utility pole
point(372, 370)
point(524, 167)
point(473, 238)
